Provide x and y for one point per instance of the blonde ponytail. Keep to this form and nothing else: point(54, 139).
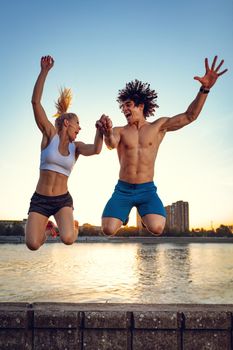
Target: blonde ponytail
point(63, 101)
point(62, 105)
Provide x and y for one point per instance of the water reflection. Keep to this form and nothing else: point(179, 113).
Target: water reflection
point(212, 272)
point(116, 272)
point(158, 264)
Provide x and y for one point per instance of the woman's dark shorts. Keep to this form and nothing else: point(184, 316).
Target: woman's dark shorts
point(49, 205)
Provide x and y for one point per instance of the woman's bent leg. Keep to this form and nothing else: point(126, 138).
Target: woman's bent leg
point(35, 230)
point(68, 228)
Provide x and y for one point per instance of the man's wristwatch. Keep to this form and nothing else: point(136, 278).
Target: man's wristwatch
point(204, 90)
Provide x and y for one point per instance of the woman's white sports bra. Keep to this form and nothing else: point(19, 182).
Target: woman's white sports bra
point(52, 159)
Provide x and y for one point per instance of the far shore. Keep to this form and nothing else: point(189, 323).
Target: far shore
point(138, 239)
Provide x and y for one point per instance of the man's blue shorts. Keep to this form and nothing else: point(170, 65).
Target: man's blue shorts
point(126, 196)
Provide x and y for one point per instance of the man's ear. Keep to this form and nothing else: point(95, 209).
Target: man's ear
point(141, 106)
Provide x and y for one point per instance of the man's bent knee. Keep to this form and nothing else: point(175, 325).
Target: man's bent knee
point(108, 230)
point(110, 226)
point(156, 229)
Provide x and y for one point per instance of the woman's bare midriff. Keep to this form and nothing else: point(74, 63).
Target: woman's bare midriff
point(51, 183)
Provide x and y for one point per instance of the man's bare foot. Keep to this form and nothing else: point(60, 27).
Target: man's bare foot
point(51, 229)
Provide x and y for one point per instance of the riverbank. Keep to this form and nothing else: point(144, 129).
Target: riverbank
point(144, 240)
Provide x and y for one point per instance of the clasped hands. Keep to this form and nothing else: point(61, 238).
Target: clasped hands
point(104, 125)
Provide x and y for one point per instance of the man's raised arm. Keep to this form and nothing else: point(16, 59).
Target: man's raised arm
point(194, 109)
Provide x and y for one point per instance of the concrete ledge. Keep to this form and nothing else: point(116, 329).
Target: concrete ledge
point(74, 326)
point(208, 320)
point(157, 320)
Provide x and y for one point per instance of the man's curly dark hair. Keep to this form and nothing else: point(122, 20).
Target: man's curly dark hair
point(139, 93)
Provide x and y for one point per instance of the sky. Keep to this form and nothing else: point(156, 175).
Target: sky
point(98, 46)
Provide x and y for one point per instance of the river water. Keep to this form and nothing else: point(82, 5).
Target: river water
point(118, 273)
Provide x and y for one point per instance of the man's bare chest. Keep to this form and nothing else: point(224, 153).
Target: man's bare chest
point(140, 140)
